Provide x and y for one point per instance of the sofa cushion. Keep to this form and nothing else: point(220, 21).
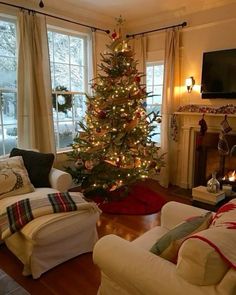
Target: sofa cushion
point(14, 178)
point(37, 164)
point(199, 263)
point(168, 245)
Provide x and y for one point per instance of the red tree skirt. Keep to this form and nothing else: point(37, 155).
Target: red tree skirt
point(140, 200)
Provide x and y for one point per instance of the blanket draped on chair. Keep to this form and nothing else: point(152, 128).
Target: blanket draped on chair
point(17, 215)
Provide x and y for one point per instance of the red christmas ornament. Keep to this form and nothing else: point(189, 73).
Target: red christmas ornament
point(98, 130)
point(138, 115)
point(102, 115)
point(137, 79)
point(114, 35)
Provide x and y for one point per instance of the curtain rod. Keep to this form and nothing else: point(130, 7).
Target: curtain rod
point(184, 24)
point(57, 17)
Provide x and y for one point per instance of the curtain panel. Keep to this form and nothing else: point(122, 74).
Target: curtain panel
point(35, 119)
point(171, 95)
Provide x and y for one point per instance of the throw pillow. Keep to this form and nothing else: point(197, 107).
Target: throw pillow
point(14, 178)
point(199, 263)
point(168, 245)
point(37, 164)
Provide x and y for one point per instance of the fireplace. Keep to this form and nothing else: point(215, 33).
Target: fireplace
point(194, 167)
point(208, 159)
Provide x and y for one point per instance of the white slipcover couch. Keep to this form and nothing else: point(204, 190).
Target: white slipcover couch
point(54, 238)
point(129, 268)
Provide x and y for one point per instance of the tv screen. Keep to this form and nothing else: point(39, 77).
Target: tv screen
point(219, 74)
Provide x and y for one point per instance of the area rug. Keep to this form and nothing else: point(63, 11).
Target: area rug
point(140, 200)
point(9, 287)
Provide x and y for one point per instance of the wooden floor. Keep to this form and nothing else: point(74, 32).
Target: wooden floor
point(80, 276)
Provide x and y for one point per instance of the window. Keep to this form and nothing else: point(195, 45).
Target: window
point(69, 75)
point(8, 105)
point(154, 80)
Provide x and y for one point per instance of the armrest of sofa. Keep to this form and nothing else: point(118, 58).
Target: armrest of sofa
point(133, 268)
point(173, 213)
point(60, 180)
point(138, 271)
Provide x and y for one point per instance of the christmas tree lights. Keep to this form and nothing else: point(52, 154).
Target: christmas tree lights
point(114, 147)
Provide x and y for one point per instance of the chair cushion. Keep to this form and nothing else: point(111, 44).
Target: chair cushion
point(168, 245)
point(199, 263)
point(37, 164)
point(206, 256)
point(14, 178)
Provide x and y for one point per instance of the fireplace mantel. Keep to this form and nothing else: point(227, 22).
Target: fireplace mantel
point(188, 126)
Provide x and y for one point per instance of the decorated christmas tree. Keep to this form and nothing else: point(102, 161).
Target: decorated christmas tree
point(115, 147)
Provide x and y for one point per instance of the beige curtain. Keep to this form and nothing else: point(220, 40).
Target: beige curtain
point(94, 54)
point(139, 46)
point(170, 101)
point(35, 121)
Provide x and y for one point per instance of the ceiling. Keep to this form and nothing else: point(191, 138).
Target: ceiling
point(135, 12)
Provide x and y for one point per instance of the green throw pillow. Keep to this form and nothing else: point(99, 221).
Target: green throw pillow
point(168, 245)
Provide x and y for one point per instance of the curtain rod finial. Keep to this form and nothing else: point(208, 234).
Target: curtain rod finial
point(41, 4)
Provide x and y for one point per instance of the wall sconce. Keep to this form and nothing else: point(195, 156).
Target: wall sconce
point(189, 82)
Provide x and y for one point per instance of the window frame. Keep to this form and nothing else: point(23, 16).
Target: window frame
point(85, 66)
point(153, 64)
point(9, 19)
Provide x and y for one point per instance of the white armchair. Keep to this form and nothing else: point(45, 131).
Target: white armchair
point(129, 268)
point(49, 240)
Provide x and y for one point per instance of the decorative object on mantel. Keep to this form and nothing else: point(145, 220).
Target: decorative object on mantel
point(203, 129)
point(225, 125)
point(193, 108)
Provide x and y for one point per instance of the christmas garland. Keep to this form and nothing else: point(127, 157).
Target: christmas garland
point(68, 100)
point(226, 109)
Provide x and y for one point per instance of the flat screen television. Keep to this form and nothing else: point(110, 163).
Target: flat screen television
point(219, 74)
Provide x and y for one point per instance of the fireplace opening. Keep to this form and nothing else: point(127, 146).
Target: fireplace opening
point(208, 159)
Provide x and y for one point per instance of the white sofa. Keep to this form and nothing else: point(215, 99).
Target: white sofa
point(130, 268)
point(52, 239)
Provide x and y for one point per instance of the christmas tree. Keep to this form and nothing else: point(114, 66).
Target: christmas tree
point(115, 147)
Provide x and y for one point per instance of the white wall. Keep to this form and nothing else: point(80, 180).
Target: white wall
point(212, 30)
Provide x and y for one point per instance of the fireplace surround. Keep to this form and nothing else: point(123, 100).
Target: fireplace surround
point(194, 167)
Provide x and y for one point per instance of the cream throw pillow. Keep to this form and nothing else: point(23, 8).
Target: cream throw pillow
point(14, 178)
point(199, 263)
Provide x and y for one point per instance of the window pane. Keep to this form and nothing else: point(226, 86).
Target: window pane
point(50, 45)
point(10, 136)
point(8, 39)
point(8, 103)
point(154, 102)
point(9, 106)
point(61, 75)
point(69, 71)
point(61, 48)
point(76, 51)
point(77, 78)
point(65, 134)
point(7, 72)
point(158, 74)
point(79, 106)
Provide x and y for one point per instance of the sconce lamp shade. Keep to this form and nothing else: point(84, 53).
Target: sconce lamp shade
point(189, 82)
